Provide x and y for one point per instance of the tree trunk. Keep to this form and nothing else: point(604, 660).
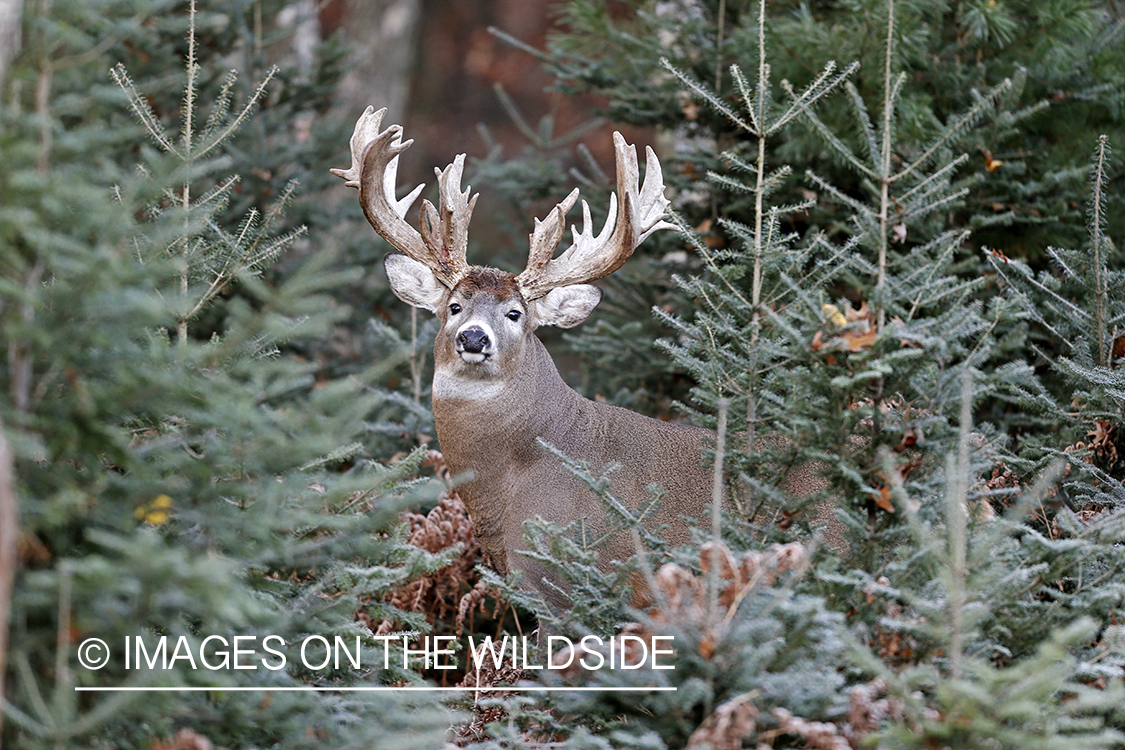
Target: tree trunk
point(11, 12)
point(384, 33)
point(8, 537)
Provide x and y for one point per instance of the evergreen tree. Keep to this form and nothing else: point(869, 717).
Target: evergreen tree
point(1078, 306)
point(1022, 174)
point(171, 484)
point(940, 605)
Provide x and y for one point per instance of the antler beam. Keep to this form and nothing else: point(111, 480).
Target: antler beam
point(442, 243)
point(642, 212)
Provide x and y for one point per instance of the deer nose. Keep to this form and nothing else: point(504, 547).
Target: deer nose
point(473, 340)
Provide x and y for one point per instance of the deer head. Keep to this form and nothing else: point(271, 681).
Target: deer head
point(486, 313)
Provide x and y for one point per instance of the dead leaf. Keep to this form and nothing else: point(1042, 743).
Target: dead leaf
point(857, 342)
point(185, 739)
point(834, 316)
point(910, 437)
point(859, 329)
point(883, 498)
point(1118, 347)
point(990, 164)
point(863, 312)
point(726, 728)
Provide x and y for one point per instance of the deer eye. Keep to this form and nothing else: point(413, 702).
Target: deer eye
point(454, 309)
point(514, 315)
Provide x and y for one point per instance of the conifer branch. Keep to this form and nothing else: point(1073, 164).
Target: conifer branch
point(923, 208)
point(140, 106)
point(242, 116)
point(189, 87)
point(1095, 222)
point(866, 126)
point(825, 83)
point(938, 175)
point(839, 146)
point(762, 100)
point(705, 253)
point(748, 98)
point(861, 209)
point(1071, 309)
point(717, 507)
point(951, 131)
point(956, 520)
point(706, 95)
point(221, 106)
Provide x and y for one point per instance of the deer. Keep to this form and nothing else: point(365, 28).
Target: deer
point(497, 395)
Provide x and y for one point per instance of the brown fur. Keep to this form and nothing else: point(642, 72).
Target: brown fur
point(514, 479)
point(492, 407)
point(500, 284)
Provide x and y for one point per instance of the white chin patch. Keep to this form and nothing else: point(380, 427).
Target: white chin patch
point(474, 358)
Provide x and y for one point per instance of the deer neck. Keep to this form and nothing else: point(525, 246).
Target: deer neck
point(526, 402)
point(490, 427)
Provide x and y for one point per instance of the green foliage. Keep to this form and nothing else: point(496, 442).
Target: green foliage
point(914, 549)
point(874, 376)
point(175, 485)
point(1077, 305)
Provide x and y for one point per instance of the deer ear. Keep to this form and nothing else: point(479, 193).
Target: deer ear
point(567, 306)
point(413, 282)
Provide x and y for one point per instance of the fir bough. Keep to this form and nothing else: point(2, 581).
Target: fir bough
point(961, 599)
point(169, 486)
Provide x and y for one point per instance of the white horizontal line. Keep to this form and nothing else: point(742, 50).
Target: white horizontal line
point(380, 689)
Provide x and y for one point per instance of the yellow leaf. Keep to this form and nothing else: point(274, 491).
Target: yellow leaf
point(834, 315)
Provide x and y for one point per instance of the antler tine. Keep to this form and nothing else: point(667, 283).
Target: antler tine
point(374, 171)
point(366, 129)
point(365, 133)
point(544, 238)
point(446, 231)
point(592, 257)
point(653, 206)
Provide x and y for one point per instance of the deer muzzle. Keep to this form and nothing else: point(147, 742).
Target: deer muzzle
point(474, 344)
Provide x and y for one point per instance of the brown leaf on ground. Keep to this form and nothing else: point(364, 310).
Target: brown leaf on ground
point(818, 735)
point(882, 498)
point(726, 727)
point(856, 329)
point(455, 590)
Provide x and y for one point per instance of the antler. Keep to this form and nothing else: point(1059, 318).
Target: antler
point(443, 240)
point(590, 257)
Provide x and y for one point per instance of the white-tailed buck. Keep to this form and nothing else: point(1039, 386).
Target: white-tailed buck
point(496, 390)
